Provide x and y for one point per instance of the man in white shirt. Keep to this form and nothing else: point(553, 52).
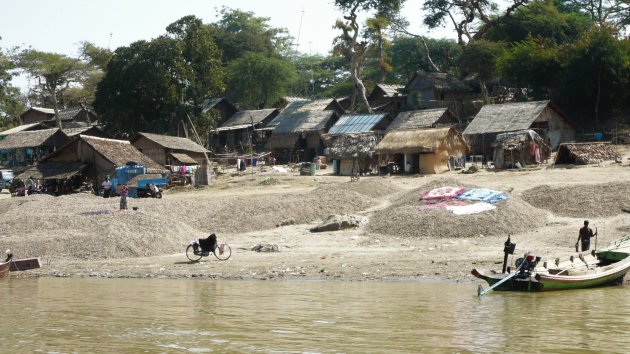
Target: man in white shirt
point(107, 187)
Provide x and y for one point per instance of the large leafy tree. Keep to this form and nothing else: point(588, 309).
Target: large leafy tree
point(481, 58)
point(411, 54)
point(595, 76)
point(238, 32)
point(53, 73)
point(258, 81)
point(154, 86)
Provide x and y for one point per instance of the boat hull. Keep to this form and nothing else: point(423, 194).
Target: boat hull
point(516, 283)
point(5, 270)
point(604, 275)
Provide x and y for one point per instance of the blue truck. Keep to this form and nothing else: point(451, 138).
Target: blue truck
point(138, 180)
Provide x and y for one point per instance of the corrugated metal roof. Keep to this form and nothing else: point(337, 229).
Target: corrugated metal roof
point(355, 123)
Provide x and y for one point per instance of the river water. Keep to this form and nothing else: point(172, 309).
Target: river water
point(54, 315)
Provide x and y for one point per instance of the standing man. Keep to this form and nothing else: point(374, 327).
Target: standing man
point(107, 187)
point(585, 235)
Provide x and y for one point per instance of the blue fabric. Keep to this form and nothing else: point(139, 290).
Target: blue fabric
point(484, 195)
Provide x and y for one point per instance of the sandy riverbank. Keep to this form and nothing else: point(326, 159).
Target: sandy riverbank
point(83, 235)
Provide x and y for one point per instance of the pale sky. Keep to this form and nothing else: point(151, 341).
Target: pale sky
point(60, 25)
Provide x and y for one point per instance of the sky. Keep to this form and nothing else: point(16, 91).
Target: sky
point(60, 26)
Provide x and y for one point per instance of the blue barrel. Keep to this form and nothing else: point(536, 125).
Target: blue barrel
point(335, 167)
point(312, 169)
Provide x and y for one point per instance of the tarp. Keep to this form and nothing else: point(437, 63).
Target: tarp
point(470, 209)
point(483, 195)
point(443, 193)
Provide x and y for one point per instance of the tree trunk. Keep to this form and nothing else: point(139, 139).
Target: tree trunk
point(484, 90)
point(358, 85)
point(56, 107)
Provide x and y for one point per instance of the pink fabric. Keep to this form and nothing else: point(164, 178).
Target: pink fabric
point(430, 205)
point(443, 193)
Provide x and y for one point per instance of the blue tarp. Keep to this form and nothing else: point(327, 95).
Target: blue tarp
point(483, 195)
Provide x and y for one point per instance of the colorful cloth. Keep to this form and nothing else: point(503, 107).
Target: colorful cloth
point(470, 209)
point(483, 195)
point(443, 193)
point(430, 205)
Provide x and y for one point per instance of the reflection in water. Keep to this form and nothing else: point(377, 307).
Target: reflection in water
point(124, 315)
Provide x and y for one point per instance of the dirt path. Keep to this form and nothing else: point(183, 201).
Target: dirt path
point(73, 240)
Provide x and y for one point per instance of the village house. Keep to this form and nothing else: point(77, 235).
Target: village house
point(426, 118)
point(170, 150)
point(351, 141)
point(236, 132)
point(541, 116)
point(387, 98)
point(24, 148)
point(88, 158)
point(47, 117)
point(298, 137)
point(426, 151)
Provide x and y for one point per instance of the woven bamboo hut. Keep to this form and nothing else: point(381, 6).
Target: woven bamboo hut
point(520, 148)
point(297, 137)
point(542, 116)
point(353, 152)
point(428, 151)
point(26, 147)
point(237, 131)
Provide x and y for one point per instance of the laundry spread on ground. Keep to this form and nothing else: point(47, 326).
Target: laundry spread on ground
point(455, 199)
point(482, 195)
point(443, 193)
point(470, 208)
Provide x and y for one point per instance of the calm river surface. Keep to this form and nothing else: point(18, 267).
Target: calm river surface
point(51, 315)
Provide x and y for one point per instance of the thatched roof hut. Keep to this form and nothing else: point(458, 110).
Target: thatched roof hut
point(426, 118)
point(347, 146)
point(542, 116)
point(53, 170)
point(46, 138)
point(525, 147)
point(301, 106)
point(433, 146)
point(101, 155)
point(585, 153)
point(19, 128)
point(157, 147)
point(245, 119)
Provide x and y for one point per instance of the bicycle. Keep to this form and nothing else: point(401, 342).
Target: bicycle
point(203, 247)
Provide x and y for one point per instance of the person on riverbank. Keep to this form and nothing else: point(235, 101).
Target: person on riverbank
point(585, 235)
point(107, 187)
point(124, 192)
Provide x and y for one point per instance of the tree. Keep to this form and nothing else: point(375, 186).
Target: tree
point(351, 47)
point(594, 76)
point(154, 86)
point(609, 13)
point(55, 73)
point(239, 32)
point(11, 104)
point(258, 81)
point(481, 58)
point(410, 54)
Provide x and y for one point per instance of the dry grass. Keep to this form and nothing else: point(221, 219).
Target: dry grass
point(581, 201)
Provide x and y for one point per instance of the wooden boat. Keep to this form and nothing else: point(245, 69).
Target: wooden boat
point(18, 265)
point(616, 250)
point(5, 269)
point(575, 272)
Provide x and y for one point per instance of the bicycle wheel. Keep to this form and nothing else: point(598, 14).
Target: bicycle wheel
point(190, 253)
point(222, 252)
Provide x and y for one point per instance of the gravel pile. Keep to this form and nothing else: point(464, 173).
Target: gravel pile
point(581, 201)
point(404, 218)
point(85, 226)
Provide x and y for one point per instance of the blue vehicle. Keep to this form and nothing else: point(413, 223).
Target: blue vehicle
point(138, 181)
